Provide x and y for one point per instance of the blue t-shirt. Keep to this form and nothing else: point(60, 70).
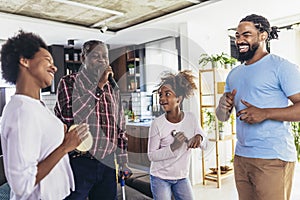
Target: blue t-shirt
point(266, 83)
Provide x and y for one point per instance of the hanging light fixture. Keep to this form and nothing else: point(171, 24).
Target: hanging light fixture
point(103, 29)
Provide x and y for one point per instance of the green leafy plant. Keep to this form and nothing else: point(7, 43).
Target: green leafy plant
point(209, 119)
point(129, 113)
point(130, 65)
point(221, 126)
point(217, 61)
point(230, 61)
point(296, 133)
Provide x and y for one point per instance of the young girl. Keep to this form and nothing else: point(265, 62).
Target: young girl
point(35, 147)
point(171, 137)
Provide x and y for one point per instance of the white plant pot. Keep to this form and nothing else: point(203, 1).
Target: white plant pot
point(131, 71)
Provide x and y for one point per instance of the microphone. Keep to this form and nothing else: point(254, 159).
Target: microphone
point(174, 132)
point(113, 82)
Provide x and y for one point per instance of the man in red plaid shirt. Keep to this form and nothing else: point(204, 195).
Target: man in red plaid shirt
point(88, 97)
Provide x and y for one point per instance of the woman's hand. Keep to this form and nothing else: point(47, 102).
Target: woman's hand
point(75, 136)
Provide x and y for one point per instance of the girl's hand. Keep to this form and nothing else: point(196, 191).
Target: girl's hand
point(179, 139)
point(195, 141)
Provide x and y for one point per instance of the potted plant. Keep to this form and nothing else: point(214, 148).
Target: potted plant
point(209, 120)
point(131, 68)
point(128, 115)
point(296, 132)
point(217, 60)
point(133, 84)
point(221, 130)
point(229, 61)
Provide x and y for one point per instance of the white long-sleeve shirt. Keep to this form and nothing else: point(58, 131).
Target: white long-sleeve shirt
point(166, 164)
point(29, 133)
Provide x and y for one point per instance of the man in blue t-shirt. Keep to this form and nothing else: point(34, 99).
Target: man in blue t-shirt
point(260, 89)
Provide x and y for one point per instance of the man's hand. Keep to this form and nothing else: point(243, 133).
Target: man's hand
point(225, 106)
point(227, 100)
point(251, 114)
point(104, 76)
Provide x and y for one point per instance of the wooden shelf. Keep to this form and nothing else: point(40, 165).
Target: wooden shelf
point(214, 176)
point(208, 106)
point(72, 62)
point(133, 59)
point(213, 79)
point(205, 95)
point(227, 137)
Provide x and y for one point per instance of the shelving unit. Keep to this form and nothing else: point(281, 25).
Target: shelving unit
point(67, 61)
point(127, 64)
point(72, 60)
point(211, 88)
point(133, 70)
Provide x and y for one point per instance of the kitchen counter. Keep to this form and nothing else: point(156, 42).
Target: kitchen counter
point(137, 133)
point(147, 123)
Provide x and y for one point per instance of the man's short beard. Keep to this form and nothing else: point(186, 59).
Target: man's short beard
point(249, 54)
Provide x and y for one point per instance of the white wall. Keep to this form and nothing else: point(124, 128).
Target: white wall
point(160, 56)
point(287, 45)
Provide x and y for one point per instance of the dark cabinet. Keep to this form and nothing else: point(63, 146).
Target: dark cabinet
point(138, 145)
point(67, 61)
point(57, 52)
point(133, 70)
point(127, 64)
point(117, 58)
point(72, 61)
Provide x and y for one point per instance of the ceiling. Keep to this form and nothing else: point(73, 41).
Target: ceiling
point(115, 14)
point(133, 22)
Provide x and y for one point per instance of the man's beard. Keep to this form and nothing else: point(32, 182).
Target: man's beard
point(249, 54)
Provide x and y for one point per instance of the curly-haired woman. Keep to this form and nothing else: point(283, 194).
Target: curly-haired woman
point(33, 141)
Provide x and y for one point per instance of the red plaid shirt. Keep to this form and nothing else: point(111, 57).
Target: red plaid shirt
point(80, 100)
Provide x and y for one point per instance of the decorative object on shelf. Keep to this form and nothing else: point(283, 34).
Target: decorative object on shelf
point(217, 61)
point(221, 130)
point(224, 169)
point(129, 113)
point(229, 61)
point(131, 68)
point(209, 123)
point(66, 57)
point(133, 84)
point(75, 56)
